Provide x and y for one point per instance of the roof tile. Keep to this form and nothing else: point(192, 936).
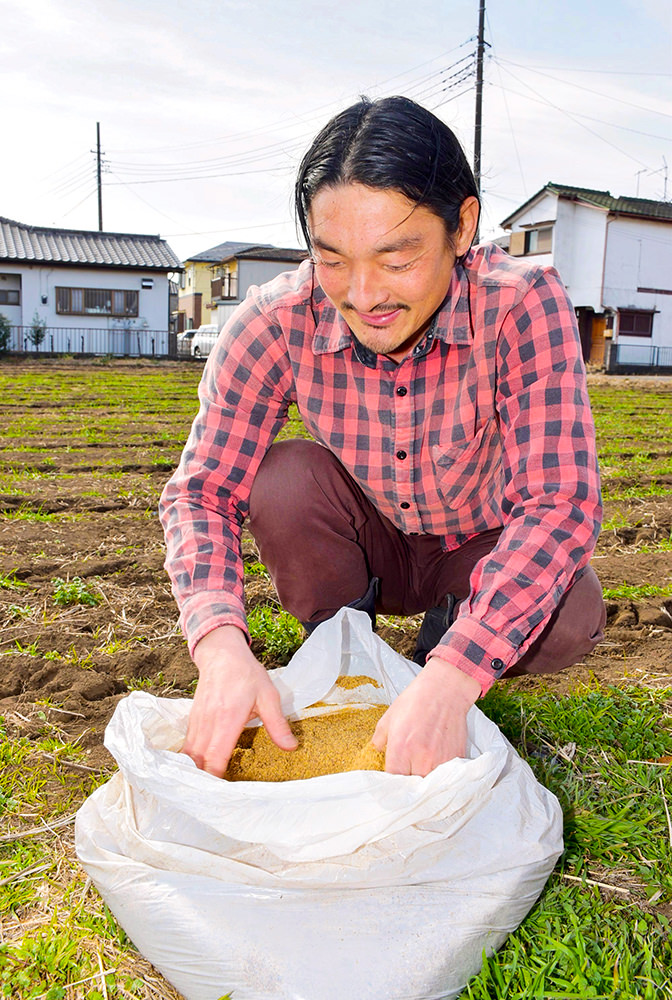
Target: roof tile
point(641, 207)
point(19, 242)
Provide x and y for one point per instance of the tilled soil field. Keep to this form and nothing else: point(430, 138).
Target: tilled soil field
point(86, 449)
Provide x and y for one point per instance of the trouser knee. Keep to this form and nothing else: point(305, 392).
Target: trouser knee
point(285, 484)
point(575, 628)
point(305, 515)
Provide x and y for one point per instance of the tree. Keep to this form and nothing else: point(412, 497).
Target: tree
point(37, 330)
point(5, 332)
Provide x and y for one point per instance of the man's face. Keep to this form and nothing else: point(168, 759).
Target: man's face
point(383, 262)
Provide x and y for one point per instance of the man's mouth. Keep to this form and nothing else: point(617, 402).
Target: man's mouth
point(380, 318)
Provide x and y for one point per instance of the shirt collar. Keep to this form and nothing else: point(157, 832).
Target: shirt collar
point(451, 323)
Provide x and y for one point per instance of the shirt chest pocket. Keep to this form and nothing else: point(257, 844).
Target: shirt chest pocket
point(469, 474)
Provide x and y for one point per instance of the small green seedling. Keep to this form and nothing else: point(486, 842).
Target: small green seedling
point(8, 581)
point(75, 591)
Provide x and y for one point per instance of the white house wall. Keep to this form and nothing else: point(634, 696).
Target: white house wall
point(578, 245)
point(639, 255)
point(39, 282)
point(578, 252)
point(543, 210)
point(257, 272)
point(251, 272)
point(224, 310)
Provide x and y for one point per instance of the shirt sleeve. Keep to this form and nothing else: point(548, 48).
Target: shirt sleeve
point(244, 397)
point(551, 504)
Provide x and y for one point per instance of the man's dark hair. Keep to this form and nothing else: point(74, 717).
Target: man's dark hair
point(392, 143)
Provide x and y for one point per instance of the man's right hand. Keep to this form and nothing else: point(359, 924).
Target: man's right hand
point(233, 687)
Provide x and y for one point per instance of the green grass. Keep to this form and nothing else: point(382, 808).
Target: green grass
point(256, 568)
point(277, 632)
point(662, 545)
point(574, 946)
point(597, 750)
point(636, 592)
point(602, 751)
point(636, 491)
point(26, 513)
point(9, 581)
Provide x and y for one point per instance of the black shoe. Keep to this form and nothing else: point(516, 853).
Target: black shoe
point(434, 626)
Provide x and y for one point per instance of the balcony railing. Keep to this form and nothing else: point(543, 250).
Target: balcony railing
point(224, 287)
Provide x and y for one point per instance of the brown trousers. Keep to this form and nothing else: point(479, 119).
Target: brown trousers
point(322, 541)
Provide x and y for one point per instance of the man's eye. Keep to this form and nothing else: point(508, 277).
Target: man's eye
point(399, 267)
point(328, 263)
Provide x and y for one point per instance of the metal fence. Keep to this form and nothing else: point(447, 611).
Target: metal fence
point(125, 342)
point(120, 342)
point(628, 359)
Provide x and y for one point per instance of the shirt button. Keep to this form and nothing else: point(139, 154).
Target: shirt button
point(401, 390)
point(401, 455)
point(404, 505)
point(497, 664)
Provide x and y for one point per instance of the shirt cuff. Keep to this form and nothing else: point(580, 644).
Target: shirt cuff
point(207, 611)
point(476, 650)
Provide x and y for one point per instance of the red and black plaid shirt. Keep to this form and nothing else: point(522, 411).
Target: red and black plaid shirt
point(490, 407)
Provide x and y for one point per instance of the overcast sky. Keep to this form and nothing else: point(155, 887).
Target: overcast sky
point(206, 106)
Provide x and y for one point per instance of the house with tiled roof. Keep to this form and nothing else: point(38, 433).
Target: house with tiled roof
point(614, 255)
point(92, 292)
point(215, 281)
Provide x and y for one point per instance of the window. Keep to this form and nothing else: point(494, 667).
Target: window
point(539, 240)
point(96, 302)
point(632, 323)
point(10, 297)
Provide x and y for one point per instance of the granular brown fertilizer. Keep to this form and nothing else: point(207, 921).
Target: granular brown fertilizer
point(355, 681)
point(328, 744)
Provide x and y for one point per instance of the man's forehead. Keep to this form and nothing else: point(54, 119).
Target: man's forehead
point(390, 242)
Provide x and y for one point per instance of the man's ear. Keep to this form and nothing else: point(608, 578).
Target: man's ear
point(469, 213)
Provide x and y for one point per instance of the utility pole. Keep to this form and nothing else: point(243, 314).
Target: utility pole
point(479, 98)
point(100, 186)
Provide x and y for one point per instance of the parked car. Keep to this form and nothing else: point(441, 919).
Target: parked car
point(204, 340)
point(184, 343)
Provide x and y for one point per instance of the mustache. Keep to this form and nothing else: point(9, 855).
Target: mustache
point(385, 307)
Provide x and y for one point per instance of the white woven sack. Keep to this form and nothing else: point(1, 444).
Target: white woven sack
point(355, 886)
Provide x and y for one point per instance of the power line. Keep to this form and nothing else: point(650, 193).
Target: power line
point(73, 181)
point(573, 118)
point(431, 86)
point(144, 200)
point(506, 106)
point(205, 177)
point(604, 72)
point(449, 99)
point(211, 232)
point(74, 207)
point(590, 118)
point(310, 116)
point(586, 90)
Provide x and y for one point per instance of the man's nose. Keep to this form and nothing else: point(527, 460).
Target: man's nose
point(365, 289)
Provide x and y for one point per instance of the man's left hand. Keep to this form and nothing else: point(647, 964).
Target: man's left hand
point(427, 724)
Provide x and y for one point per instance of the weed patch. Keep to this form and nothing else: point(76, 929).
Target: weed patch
point(75, 591)
point(636, 592)
point(277, 633)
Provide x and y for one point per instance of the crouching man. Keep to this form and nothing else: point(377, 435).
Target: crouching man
point(452, 469)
